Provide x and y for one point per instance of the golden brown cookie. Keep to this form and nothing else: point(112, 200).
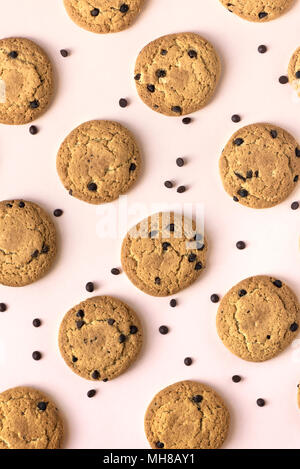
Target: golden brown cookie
point(26, 81)
point(29, 420)
point(260, 165)
point(27, 242)
point(187, 415)
point(98, 161)
point(100, 338)
point(164, 254)
point(258, 318)
point(103, 16)
point(177, 74)
point(258, 10)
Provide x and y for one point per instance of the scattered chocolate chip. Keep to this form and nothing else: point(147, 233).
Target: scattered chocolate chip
point(163, 330)
point(186, 120)
point(180, 162)
point(268, 337)
point(235, 199)
point(37, 322)
point(58, 212)
point(295, 206)
point(294, 327)
point(165, 245)
point(173, 303)
point(33, 130)
point(42, 406)
point(105, 380)
point(13, 54)
point(123, 102)
point(133, 329)
point(261, 402)
point(274, 133)
point(115, 271)
point(36, 355)
point(137, 77)
point(238, 142)
point(3, 307)
point(34, 104)
point(236, 379)
point(197, 398)
point(297, 152)
point(80, 314)
point(168, 184)
point(35, 254)
point(176, 109)
point(262, 15)
point(157, 281)
point(171, 227)
point(64, 53)
point(159, 444)
point(239, 176)
point(235, 118)
point(70, 192)
point(151, 88)
point(296, 178)
point(241, 245)
point(283, 80)
point(124, 8)
point(192, 257)
point(91, 393)
point(215, 298)
point(243, 193)
point(188, 361)
point(21, 204)
point(181, 189)
point(92, 186)
point(80, 324)
point(74, 359)
point(90, 287)
point(161, 73)
point(163, 52)
point(198, 266)
point(96, 374)
point(95, 12)
point(242, 293)
point(132, 167)
point(249, 174)
point(111, 321)
point(122, 338)
point(262, 49)
point(192, 54)
point(297, 74)
point(277, 283)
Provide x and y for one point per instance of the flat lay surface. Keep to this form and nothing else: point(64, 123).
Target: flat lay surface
point(89, 83)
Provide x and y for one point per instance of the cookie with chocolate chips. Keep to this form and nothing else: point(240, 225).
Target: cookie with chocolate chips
point(258, 318)
point(177, 74)
point(260, 165)
point(258, 10)
point(187, 415)
point(103, 16)
point(26, 81)
point(100, 338)
point(27, 242)
point(164, 254)
point(29, 420)
point(98, 161)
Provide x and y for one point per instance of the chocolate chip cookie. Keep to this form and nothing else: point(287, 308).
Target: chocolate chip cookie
point(258, 10)
point(258, 318)
point(177, 74)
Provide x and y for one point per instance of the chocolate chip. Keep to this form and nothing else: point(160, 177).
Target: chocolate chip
point(163, 330)
point(37, 322)
point(92, 186)
point(249, 174)
point(238, 142)
point(235, 199)
point(186, 120)
point(176, 109)
point(242, 293)
point(215, 298)
point(21, 204)
point(274, 133)
point(277, 283)
point(34, 104)
point(200, 246)
point(33, 130)
point(294, 327)
point(80, 314)
point(159, 444)
point(165, 245)
point(171, 227)
point(137, 77)
point(261, 402)
point(157, 281)
point(283, 80)
point(239, 176)
point(180, 162)
point(90, 287)
point(243, 193)
point(3, 307)
point(91, 393)
point(197, 398)
point(181, 189)
point(132, 167)
point(95, 12)
point(115, 271)
point(133, 329)
point(262, 15)
point(163, 52)
point(122, 338)
point(105, 380)
point(188, 361)
point(36, 355)
point(268, 337)
point(42, 406)
point(235, 118)
point(198, 266)
point(192, 257)
point(241, 245)
point(35, 254)
point(74, 359)
point(96, 374)
point(256, 174)
point(297, 152)
point(295, 206)
point(173, 303)
point(13, 54)
point(161, 73)
point(168, 184)
point(262, 49)
point(297, 74)
point(111, 321)
point(124, 8)
point(151, 88)
point(80, 324)
point(236, 379)
point(123, 102)
point(64, 53)
point(192, 54)
point(296, 178)
point(58, 212)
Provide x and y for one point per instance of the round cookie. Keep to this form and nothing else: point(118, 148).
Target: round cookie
point(258, 10)
point(258, 318)
point(177, 74)
point(98, 161)
point(164, 254)
point(187, 415)
point(103, 16)
point(100, 338)
point(27, 242)
point(260, 165)
point(294, 71)
point(26, 81)
point(29, 420)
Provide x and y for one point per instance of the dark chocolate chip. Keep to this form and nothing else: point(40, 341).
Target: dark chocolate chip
point(243, 193)
point(90, 287)
point(171, 227)
point(180, 162)
point(122, 338)
point(92, 186)
point(297, 74)
point(198, 266)
point(137, 77)
point(242, 293)
point(238, 142)
point(42, 406)
point(296, 178)
point(80, 324)
point(283, 80)
point(124, 8)
point(236, 379)
point(74, 359)
point(235, 118)
point(168, 184)
point(241, 245)
point(91, 393)
point(294, 327)
point(36, 355)
point(37, 322)
point(215, 298)
point(13, 54)
point(34, 104)
point(192, 54)
point(262, 49)
point(80, 314)
point(21, 204)
point(133, 329)
point(111, 321)
point(33, 130)
point(192, 257)
point(58, 212)
point(123, 102)
point(151, 88)
point(173, 303)
point(159, 444)
point(96, 374)
point(165, 245)
point(163, 52)
point(297, 152)
point(188, 361)
point(35, 254)
point(95, 12)
point(277, 283)
point(157, 281)
point(262, 14)
point(3, 307)
point(295, 206)
point(115, 271)
point(261, 402)
point(274, 133)
point(197, 398)
point(176, 109)
point(161, 73)
point(181, 189)
point(64, 53)
point(186, 120)
point(163, 330)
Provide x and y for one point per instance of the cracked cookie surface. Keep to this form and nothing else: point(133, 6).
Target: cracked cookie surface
point(100, 338)
point(258, 10)
point(98, 161)
point(26, 81)
point(187, 415)
point(164, 254)
point(29, 420)
point(177, 74)
point(27, 242)
point(103, 16)
point(260, 165)
point(258, 318)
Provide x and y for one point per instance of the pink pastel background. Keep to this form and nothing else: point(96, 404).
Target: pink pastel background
point(90, 82)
